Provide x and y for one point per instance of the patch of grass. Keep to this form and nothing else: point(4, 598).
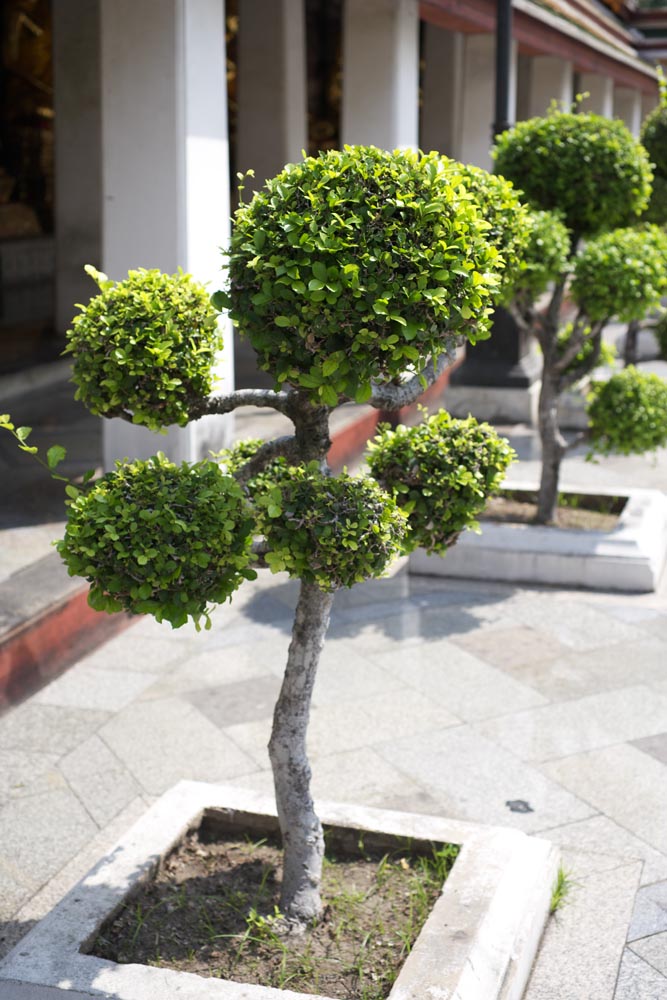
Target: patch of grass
point(561, 890)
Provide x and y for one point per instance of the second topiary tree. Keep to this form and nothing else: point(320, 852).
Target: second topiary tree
point(353, 274)
point(587, 178)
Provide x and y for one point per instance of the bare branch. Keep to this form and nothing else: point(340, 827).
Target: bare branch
point(241, 397)
point(570, 378)
point(578, 439)
point(285, 447)
point(395, 397)
point(575, 343)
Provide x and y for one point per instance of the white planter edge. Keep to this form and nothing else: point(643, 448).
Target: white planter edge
point(478, 943)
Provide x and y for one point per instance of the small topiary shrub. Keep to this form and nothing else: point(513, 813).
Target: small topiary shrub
point(627, 413)
point(145, 345)
point(333, 532)
point(357, 265)
point(441, 473)
point(622, 273)
point(656, 211)
point(588, 168)
point(653, 136)
point(161, 539)
point(546, 254)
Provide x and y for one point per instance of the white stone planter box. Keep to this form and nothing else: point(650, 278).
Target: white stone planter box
point(631, 557)
point(478, 943)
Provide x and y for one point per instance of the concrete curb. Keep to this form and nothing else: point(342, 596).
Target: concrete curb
point(629, 558)
point(478, 943)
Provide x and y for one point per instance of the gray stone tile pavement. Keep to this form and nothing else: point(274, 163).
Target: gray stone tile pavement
point(433, 696)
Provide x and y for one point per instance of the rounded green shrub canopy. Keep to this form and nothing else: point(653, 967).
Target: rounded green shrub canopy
point(145, 345)
point(588, 168)
point(546, 254)
point(507, 217)
point(622, 273)
point(657, 207)
point(332, 531)
point(441, 473)
point(160, 539)
point(628, 413)
point(357, 265)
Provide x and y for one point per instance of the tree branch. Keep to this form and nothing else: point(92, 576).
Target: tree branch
point(575, 344)
point(577, 440)
point(395, 397)
point(241, 397)
point(284, 447)
point(568, 379)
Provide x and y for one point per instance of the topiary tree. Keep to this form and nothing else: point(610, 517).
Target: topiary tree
point(653, 137)
point(596, 177)
point(353, 274)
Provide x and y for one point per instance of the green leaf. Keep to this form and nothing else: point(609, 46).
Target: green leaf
point(23, 433)
point(55, 455)
point(329, 395)
point(282, 321)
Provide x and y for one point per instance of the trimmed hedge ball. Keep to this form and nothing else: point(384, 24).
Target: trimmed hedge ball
point(585, 166)
point(145, 345)
point(622, 273)
point(441, 473)
point(160, 539)
point(628, 413)
point(357, 265)
point(332, 531)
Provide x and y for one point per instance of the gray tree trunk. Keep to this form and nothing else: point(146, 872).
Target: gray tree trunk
point(631, 343)
point(303, 842)
point(553, 449)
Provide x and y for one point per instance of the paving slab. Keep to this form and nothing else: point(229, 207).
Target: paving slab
point(637, 980)
point(623, 783)
point(653, 950)
point(583, 944)
point(99, 779)
point(47, 727)
point(650, 912)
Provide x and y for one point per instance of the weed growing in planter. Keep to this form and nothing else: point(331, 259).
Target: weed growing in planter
point(595, 178)
point(353, 274)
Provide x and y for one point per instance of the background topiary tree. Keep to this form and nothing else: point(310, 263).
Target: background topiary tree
point(595, 177)
point(353, 274)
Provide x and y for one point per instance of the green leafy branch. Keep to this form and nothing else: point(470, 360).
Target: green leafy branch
point(54, 455)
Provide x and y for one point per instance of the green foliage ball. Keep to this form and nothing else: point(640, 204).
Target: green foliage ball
point(332, 531)
point(357, 265)
point(146, 345)
point(588, 168)
point(160, 539)
point(441, 473)
point(622, 273)
point(653, 137)
point(507, 217)
point(546, 255)
point(628, 414)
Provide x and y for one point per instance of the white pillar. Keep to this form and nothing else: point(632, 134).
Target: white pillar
point(271, 86)
point(78, 178)
point(600, 90)
point(628, 107)
point(551, 79)
point(441, 90)
point(381, 73)
point(165, 170)
point(477, 92)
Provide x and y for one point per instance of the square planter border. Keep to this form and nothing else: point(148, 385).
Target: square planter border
point(630, 557)
point(478, 943)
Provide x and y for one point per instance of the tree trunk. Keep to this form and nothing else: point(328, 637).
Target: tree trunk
point(553, 449)
point(631, 343)
point(303, 842)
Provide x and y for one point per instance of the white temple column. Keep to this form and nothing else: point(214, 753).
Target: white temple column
point(271, 86)
point(441, 121)
point(78, 177)
point(477, 92)
point(628, 107)
point(165, 171)
point(551, 79)
point(600, 90)
point(381, 73)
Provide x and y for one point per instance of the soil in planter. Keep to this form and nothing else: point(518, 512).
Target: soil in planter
point(582, 511)
point(212, 910)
